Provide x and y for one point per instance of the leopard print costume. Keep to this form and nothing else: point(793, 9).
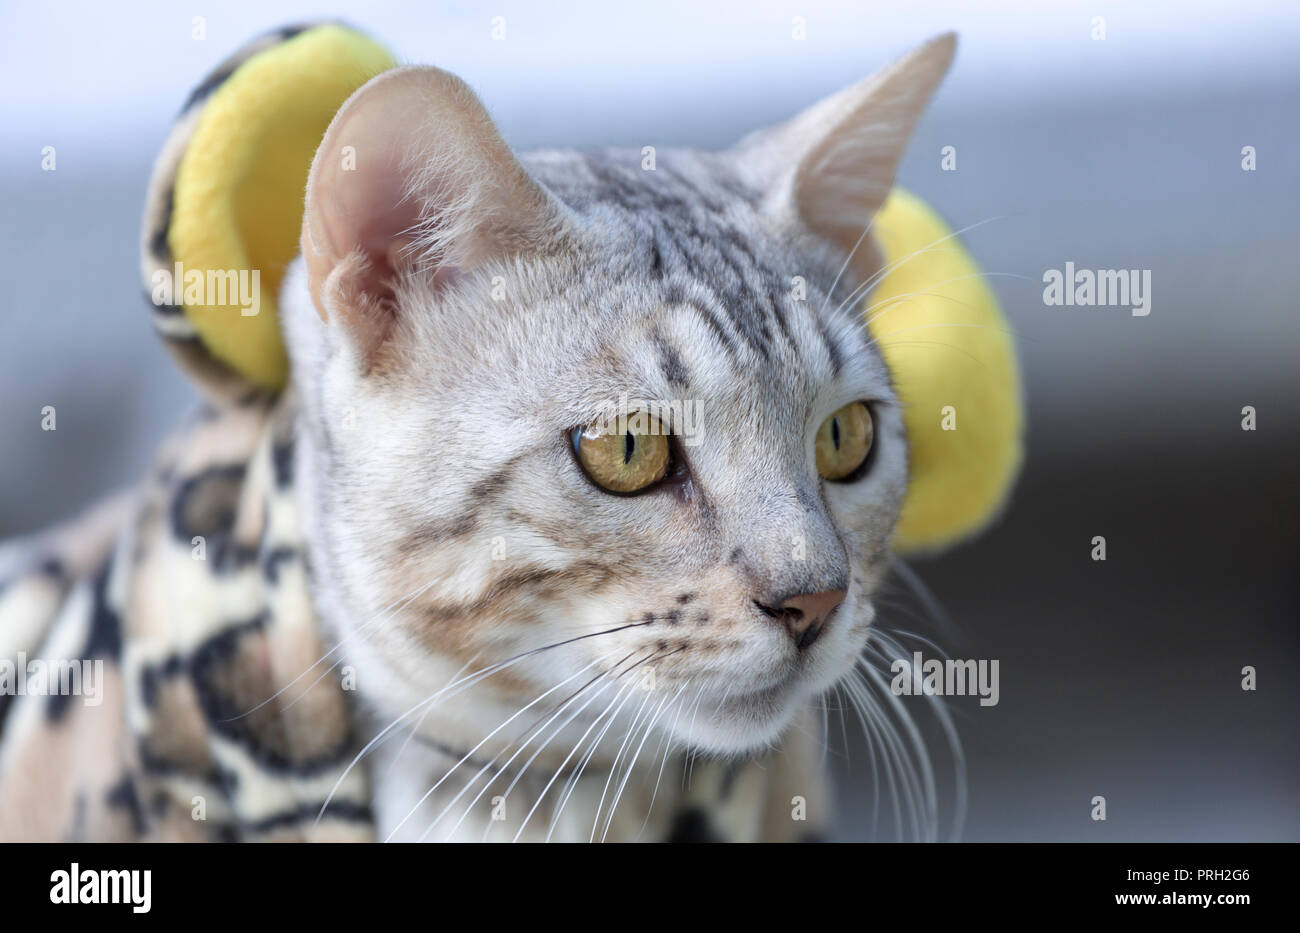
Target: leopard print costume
point(201, 613)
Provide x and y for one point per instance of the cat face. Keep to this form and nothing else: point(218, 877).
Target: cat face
point(593, 439)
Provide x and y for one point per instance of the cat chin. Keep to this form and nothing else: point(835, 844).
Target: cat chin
point(745, 724)
point(738, 724)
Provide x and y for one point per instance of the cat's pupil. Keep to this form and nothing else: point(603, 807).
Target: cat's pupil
point(835, 432)
point(628, 445)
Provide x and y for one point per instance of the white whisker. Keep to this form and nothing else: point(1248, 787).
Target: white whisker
point(468, 755)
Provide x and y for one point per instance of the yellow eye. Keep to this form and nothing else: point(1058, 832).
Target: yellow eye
point(844, 440)
point(629, 458)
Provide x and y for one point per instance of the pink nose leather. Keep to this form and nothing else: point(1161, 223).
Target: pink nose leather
point(805, 614)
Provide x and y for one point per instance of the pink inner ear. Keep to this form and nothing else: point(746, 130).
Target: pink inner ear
point(369, 210)
point(392, 256)
point(360, 224)
point(365, 210)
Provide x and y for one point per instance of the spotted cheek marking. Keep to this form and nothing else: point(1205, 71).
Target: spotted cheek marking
point(680, 631)
point(711, 646)
point(694, 660)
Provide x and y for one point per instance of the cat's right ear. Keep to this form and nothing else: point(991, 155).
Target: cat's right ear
point(412, 178)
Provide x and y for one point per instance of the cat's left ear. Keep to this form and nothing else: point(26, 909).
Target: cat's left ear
point(832, 166)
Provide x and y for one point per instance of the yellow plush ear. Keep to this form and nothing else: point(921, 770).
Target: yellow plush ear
point(237, 198)
point(953, 360)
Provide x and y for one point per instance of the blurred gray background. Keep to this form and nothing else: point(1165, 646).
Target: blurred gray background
point(1119, 678)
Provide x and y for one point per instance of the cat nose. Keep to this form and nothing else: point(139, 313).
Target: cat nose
point(805, 614)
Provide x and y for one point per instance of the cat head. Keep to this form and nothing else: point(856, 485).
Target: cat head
point(596, 424)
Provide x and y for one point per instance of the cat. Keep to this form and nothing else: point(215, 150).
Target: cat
point(542, 615)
